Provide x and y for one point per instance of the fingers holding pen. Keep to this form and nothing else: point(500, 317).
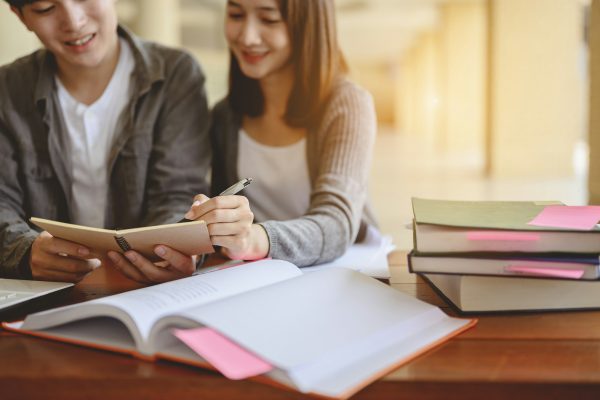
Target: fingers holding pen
point(194, 211)
point(221, 209)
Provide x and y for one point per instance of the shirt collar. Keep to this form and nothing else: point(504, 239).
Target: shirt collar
point(149, 67)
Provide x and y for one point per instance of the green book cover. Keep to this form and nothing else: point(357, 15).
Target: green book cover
point(508, 215)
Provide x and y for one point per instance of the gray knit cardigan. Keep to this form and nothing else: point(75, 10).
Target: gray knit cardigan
point(339, 157)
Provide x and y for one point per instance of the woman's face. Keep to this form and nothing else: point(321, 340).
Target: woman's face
point(258, 37)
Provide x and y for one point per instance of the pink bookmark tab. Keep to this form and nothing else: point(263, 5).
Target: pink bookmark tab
point(570, 217)
point(551, 272)
point(227, 357)
point(499, 236)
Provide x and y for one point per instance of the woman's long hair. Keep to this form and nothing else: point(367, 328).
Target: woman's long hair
point(316, 58)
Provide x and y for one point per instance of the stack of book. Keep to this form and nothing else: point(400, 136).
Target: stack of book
point(488, 256)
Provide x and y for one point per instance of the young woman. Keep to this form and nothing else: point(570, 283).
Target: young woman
point(298, 127)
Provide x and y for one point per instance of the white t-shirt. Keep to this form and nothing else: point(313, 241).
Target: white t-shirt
point(91, 131)
point(280, 188)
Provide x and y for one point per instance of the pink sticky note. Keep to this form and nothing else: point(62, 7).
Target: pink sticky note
point(499, 236)
point(574, 217)
point(552, 272)
point(227, 357)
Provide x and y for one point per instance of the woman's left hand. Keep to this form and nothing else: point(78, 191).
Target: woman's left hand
point(229, 220)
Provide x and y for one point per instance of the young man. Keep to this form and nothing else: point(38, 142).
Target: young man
point(97, 128)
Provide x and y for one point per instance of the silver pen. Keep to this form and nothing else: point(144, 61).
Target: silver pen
point(231, 190)
point(236, 187)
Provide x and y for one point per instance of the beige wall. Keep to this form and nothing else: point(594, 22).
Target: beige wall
point(159, 21)
point(377, 77)
point(417, 91)
point(15, 39)
point(503, 79)
point(406, 89)
point(441, 87)
point(463, 64)
point(594, 118)
point(535, 88)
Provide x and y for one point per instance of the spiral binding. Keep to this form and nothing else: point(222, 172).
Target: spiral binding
point(122, 242)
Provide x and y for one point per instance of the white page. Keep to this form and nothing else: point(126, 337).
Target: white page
point(347, 379)
point(308, 324)
point(148, 304)
point(368, 256)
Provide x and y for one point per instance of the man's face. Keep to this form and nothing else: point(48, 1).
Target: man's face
point(80, 33)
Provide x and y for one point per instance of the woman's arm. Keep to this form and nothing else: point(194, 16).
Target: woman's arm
point(342, 158)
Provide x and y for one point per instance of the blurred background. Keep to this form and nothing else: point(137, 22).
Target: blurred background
point(476, 99)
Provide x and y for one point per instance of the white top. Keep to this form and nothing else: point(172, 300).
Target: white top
point(280, 189)
point(91, 130)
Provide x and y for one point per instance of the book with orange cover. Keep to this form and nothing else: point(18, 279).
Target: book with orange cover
point(328, 333)
point(189, 238)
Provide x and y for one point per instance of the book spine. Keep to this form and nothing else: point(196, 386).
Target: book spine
point(122, 242)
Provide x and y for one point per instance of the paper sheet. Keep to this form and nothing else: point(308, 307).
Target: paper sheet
point(368, 257)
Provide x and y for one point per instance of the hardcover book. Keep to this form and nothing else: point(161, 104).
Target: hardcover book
point(329, 332)
point(444, 226)
point(546, 265)
point(470, 293)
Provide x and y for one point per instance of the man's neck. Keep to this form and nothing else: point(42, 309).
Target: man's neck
point(87, 85)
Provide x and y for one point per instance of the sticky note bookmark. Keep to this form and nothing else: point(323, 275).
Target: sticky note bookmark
point(226, 356)
point(570, 217)
point(500, 236)
point(550, 272)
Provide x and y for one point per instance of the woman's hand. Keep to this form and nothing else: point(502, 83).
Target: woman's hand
point(137, 267)
point(229, 221)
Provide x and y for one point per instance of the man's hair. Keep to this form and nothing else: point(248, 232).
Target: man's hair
point(19, 3)
point(317, 59)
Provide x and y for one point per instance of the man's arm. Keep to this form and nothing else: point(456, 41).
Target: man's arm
point(180, 158)
point(16, 237)
point(177, 170)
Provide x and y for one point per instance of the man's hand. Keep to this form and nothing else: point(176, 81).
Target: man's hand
point(54, 259)
point(139, 268)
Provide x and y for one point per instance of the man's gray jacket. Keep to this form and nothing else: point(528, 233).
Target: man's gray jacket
point(158, 161)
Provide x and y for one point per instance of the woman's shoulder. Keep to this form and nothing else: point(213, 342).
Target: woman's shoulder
point(349, 96)
point(347, 99)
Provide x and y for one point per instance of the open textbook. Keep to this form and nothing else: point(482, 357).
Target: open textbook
point(329, 333)
point(189, 238)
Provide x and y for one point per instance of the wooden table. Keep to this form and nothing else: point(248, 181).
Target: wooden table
point(518, 356)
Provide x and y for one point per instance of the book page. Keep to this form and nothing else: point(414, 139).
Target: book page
point(144, 306)
point(321, 325)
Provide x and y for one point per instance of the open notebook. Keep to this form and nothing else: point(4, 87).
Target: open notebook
point(329, 333)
